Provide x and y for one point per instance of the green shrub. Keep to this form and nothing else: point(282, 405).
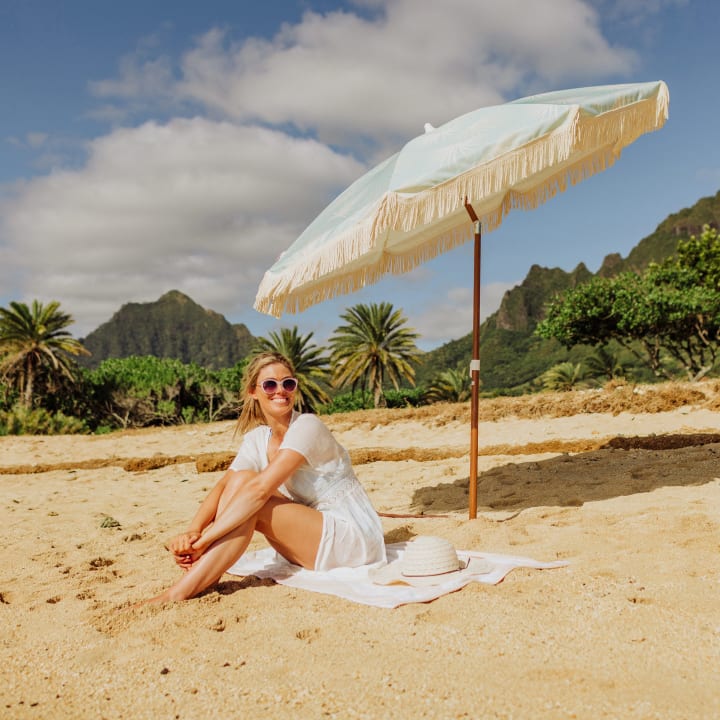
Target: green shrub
point(347, 402)
point(404, 397)
point(19, 420)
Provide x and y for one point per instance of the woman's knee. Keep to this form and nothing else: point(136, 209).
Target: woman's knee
point(234, 484)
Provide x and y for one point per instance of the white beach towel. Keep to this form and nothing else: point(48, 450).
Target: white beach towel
point(354, 584)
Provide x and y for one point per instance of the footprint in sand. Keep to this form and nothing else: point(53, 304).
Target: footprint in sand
point(308, 635)
point(98, 566)
point(218, 625)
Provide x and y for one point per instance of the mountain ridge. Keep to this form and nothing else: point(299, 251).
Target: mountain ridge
point(174, 326)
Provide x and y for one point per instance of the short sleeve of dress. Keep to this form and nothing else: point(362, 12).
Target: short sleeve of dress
point(252, 454)
point(309, 436)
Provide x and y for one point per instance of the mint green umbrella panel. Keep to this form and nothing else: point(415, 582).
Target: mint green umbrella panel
point(444, 186)
point(412, 207)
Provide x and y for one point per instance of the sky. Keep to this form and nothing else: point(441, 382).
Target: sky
point(183, 145)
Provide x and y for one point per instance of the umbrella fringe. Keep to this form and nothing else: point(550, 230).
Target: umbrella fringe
point(604, 136)
point(610, 132)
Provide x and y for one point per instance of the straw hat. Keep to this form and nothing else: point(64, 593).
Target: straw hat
point(427, 560)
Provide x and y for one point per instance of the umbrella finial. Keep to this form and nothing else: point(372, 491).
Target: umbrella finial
point(428, 127)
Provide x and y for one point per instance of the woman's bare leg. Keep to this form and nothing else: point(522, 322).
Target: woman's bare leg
point(221, 555)
point(210, 566)
point(294, 530)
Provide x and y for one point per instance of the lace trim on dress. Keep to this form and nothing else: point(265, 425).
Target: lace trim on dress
point(337, 491)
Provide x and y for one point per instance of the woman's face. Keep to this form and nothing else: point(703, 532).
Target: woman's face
point(278, 403)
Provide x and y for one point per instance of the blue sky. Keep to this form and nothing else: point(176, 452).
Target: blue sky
point(151, 146)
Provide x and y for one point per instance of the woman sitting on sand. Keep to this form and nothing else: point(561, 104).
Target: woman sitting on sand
point(290, 480)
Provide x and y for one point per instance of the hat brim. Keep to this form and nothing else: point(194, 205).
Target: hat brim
point(391, 574)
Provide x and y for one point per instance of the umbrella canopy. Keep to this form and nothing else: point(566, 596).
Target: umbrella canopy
point(411, 207)
point(419, 202)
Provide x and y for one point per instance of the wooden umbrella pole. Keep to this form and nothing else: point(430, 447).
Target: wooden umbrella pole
point(474, 366)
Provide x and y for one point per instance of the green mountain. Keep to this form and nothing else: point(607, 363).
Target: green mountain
point(510, 355)
point(172, 327)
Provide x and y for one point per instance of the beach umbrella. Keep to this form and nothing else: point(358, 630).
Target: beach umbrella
point(446, 185)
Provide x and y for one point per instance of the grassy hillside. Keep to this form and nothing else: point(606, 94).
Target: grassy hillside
point(172, 327)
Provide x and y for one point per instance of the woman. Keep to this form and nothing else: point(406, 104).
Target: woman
point(290, 480)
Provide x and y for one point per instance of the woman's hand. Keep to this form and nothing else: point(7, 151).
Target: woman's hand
point(181, 546)
point(199, 545)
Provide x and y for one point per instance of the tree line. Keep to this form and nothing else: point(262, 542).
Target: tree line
point(667, 317)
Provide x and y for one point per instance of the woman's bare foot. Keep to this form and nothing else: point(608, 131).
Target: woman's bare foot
point(165, 596)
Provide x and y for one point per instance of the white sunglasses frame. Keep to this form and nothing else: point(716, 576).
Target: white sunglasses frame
point(278, 384)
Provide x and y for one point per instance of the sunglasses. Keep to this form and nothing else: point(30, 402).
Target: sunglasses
point(271, 386)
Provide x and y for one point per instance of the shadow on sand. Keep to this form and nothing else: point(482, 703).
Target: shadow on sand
point(622, 466)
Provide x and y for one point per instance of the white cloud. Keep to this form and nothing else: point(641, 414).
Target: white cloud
point(342, 75)
point(451, 316)
point(194, 205)
point(36, 139)
point(145, 84)
point(356, 81)
point(31, 140)
point(138, 78)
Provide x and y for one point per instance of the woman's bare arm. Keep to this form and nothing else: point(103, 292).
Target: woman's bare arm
point(251, 496)
point(208, 509)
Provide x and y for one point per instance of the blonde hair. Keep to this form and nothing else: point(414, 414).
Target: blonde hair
point(251, 415)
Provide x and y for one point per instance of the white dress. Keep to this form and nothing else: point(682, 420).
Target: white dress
point(352, 532)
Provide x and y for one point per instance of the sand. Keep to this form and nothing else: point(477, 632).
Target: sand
point(629, 629)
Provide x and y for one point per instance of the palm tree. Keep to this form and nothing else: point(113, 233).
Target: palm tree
point(311, 368)
point(34, 344)
point(451, 385)
point(603, 362)
point(373, 347)
point(565, 376)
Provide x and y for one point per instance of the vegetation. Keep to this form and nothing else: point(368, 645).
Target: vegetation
point(451, 385)
point(129, 392)
point(144, 391)
point(606, 362)
point(36, 349)
point(373, 348)
point(21, 420)
point(172, 327)
point(349, 402)
point(669, 315)
point(565, 376)
point(512, 356)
